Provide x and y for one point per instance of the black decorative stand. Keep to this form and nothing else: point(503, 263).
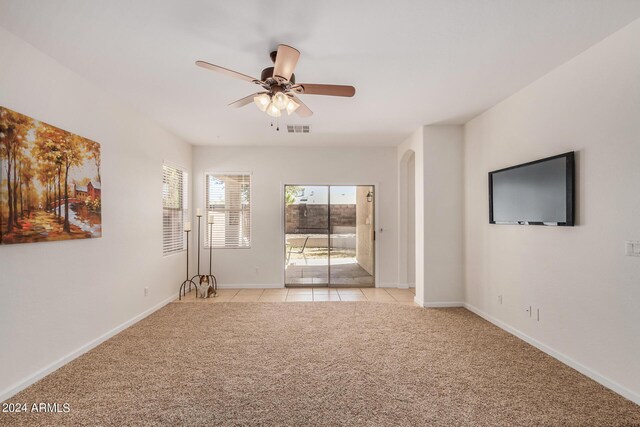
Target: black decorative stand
point(183, 287)
point(198, 275)
point(212, 280)
point(211, 276)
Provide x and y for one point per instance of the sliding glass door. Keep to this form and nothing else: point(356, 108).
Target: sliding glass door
point(329, 235)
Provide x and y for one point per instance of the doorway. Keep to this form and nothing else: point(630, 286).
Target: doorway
point(329, 235)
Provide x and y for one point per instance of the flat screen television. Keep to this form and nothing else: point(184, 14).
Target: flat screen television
point(535, 193)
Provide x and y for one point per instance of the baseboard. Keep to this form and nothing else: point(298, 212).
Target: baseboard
point(279, 286)
point(403, 285)
point(612, 385)
point(387, 285)
point(438, 304)
point(250, 286)
point(443, 304)
point(16, 388)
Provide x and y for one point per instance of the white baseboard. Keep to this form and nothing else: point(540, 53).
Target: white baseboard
point(444, 304)
point(387, 285)
point(21, 385)
point(438, 304)
point(250, 286)
point(610, 384)
point(279, 286)
point(403, 285)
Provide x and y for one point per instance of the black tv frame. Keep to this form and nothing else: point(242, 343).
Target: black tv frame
point(570, 194)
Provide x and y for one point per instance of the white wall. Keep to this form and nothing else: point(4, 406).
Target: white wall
point(443, 215)
point(58, 297)
point(434, 156)
point(587, 290)
point(272, 168)
point(411, 224)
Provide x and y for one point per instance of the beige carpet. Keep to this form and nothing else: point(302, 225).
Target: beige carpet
point(320, 364)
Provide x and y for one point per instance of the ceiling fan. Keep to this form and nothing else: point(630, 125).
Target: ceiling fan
point(280, 85)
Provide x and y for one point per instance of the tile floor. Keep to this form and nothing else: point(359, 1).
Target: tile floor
point(388, 295)
point(341, 274)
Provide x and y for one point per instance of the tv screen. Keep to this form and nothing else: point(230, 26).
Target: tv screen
point(535, 193)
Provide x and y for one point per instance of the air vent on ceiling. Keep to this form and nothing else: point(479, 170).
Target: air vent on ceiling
point(298, 128)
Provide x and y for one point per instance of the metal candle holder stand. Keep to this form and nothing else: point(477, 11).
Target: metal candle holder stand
point(212, 279)
point(183, 286)
point(211, 276)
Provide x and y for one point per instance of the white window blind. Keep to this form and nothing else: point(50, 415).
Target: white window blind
point(228, 198)
point(174, 204)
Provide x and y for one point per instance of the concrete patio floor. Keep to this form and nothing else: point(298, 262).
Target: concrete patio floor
point(344, 273)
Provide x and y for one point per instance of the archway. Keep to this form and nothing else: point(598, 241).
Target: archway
point(407, 219)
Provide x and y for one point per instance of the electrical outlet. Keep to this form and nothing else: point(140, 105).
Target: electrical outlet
point(146, 291)
point(632, 248)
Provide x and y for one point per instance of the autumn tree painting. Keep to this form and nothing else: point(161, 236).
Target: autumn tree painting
point(50, 185)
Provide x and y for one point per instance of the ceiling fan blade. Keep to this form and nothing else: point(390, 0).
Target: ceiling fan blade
point(227, 72)
point(303, 110)
point(331, 90)
point(244, 101)
point(286, 60)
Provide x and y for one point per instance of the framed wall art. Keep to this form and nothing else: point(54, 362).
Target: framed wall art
point(50, 185)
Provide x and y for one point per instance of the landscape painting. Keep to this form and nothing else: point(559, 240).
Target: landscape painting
point(50, 187)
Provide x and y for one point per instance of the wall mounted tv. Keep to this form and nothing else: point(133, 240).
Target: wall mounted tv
point(541, 192)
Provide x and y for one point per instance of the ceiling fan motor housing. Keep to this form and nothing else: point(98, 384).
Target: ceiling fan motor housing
point(267, 74)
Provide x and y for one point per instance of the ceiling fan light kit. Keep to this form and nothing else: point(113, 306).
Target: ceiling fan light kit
point(280, 100)
point(273, 111)
point(292, 106)
point(262, 101)
point(274, 104)
point(280, 84)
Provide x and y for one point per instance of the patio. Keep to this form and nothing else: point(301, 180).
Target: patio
point(311, 266)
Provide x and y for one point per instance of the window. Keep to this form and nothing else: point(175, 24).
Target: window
point(174, 204)
point(228, 199)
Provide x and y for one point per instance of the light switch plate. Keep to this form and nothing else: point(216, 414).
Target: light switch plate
point(632, 248)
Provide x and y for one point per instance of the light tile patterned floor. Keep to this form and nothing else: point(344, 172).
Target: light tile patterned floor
point(387, 295)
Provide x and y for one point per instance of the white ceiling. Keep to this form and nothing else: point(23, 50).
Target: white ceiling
point(412, 62)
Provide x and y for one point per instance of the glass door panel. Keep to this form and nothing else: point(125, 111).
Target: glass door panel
point(306, 235)
point(352, 255)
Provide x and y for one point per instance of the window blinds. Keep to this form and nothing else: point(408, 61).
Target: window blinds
point(174, 203)
point(228, 198)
